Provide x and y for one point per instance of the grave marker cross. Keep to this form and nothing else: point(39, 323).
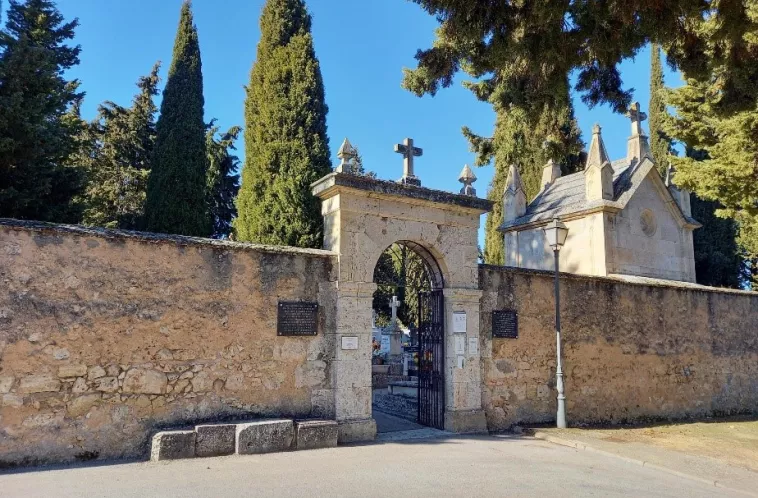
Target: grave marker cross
point(394, 304)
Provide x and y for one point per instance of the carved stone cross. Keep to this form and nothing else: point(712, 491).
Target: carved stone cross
point(409, 152)
point(637, 117)
point(394, 304)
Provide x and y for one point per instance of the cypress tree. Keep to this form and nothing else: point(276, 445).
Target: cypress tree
point(724, 167)
point(660, 144)
point(223, 181)
point(118, 157)
point(521, 140)
point(38, 114)
point(176, 191)
point(286, 145)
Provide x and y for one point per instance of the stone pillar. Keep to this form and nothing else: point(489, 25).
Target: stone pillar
point(351, 368)
point(463, 386)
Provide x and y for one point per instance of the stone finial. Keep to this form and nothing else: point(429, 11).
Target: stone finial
point(514, 196)
point(467, 178)
point(638, 146)
point(681, 196)
point(550, 173)
point(598, 172)
point(669, 176)
point(597, 154)
point(346, 155)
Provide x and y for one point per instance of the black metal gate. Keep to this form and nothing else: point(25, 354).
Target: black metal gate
point(431, 359)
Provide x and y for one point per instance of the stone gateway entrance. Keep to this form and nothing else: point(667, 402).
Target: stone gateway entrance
point(362, 218)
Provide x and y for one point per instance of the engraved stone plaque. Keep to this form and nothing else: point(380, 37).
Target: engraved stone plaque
point(504, 324)
point(297, 319)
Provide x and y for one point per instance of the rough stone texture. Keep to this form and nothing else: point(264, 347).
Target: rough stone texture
point(143, 381)
point(72, 371)
point(314, 434)
point(99, 349)
point(215, 440)
point(267, 436)
point(39, 384)
point(631, 352)
point(5, 384)
point(173, 445)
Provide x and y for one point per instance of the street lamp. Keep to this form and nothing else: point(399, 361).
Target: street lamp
point(555, 234)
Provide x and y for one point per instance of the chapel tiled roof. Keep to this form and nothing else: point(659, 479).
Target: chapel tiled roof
point(567, 196)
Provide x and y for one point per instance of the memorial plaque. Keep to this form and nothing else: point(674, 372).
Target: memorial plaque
point(505, 324)
point(350, 343)
point(297, 319)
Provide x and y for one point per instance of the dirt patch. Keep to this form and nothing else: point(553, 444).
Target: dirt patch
point(733, 441)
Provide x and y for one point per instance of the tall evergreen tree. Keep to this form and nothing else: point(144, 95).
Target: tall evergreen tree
point(223, 180)
point(117, 156)
point(286, 145)
point(176, 191)
point(719, 260)
point(724, 170)
point(660, 143)
point(37, 131)
point(519, 139)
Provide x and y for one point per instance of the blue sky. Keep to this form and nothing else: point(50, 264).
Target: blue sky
point(362, 45)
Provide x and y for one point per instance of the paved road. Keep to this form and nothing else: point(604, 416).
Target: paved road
point(386, 422)
point(467, 467)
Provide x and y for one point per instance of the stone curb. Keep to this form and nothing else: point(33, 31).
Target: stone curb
point(585, 447)
point(247, 438)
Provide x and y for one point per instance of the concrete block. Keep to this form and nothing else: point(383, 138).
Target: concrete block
point(266, 436)
point(215, 440)
point(173, 445)
point(354, 431)
point(313, 434)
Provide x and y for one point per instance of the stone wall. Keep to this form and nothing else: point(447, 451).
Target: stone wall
point(631, 352)
point(106, 337)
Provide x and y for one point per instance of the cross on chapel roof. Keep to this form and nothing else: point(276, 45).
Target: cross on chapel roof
point(637, 116)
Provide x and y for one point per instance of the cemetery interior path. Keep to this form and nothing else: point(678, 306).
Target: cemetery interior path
point(458, 466)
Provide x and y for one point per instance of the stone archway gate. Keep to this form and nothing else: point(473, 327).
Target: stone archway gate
point(362, 217)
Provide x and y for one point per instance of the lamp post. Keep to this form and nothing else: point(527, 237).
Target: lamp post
point(555, 234)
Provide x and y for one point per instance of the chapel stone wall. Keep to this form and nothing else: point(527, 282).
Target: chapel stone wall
point(631, 352)
point(584, 252)
point(646, 240)
point(106, 337)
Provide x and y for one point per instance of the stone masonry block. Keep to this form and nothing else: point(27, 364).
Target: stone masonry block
point(173, 445)
point(39, 384)
point(266, 436)
point(68, 371)
point(5, 384)
point(313, 434)
point(215, 440)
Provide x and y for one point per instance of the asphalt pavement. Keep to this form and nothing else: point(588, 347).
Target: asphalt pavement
point(455, 466)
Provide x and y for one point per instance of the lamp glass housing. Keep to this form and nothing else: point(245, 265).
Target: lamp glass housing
point(556, 233)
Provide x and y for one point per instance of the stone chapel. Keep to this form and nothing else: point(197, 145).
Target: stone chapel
point(624, 219)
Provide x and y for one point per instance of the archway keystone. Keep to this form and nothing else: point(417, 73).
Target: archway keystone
point(362, 217)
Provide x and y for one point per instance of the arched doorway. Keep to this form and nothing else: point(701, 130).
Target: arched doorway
point(408, 335)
